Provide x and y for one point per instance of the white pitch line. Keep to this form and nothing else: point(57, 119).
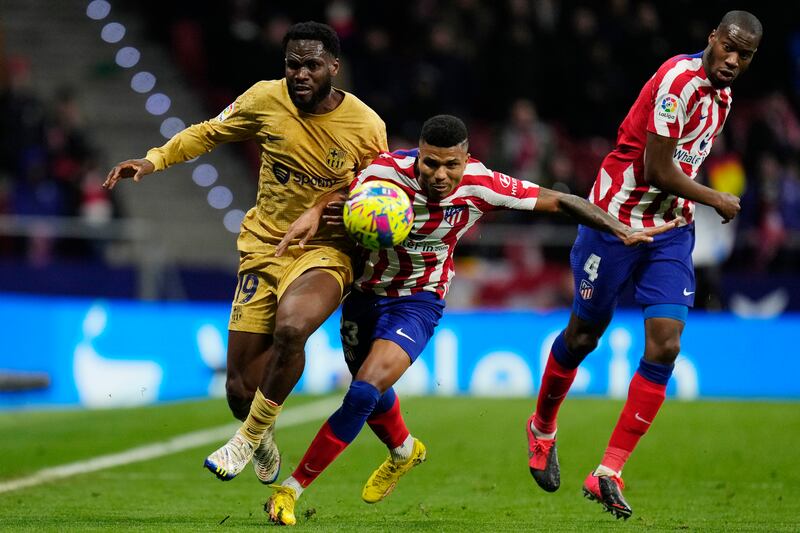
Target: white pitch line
point(292, 417)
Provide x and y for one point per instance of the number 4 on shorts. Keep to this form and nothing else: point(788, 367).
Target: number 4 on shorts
point(591, 266)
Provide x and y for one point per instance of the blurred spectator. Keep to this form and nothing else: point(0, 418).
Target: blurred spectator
point(22, 116)
point(525, 143)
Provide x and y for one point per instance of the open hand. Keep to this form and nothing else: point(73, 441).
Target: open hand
point(304, 227)
point(132, 168)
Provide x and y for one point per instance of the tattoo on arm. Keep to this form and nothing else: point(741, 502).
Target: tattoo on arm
point(589, 214)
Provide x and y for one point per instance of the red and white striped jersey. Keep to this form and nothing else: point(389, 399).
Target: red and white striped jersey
point(424, 261)
point(678, 102)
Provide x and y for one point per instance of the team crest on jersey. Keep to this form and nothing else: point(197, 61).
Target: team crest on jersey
point(226, 112)
point(667, 108)
point(586, 290)
point(336, 158)
point(454, 214)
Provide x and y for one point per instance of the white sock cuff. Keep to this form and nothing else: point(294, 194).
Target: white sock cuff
point(403, 452)
point(293, 483)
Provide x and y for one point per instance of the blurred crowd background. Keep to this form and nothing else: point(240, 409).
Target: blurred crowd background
point(542, 85)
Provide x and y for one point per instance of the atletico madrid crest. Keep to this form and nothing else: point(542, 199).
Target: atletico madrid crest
point(587, 289)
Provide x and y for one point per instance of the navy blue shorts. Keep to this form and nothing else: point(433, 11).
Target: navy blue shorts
point(408, 321)
point(662, 271)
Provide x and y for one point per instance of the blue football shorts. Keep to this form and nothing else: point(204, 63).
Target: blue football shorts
point(662, 271)
point(408, 321)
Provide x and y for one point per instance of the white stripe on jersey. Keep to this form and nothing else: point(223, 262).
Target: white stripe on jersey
point(639, 209)
point(477, 168)
point(628, 185)
point(605, 184)
point(495, 198)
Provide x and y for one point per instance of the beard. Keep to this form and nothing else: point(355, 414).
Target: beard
point(315, 98)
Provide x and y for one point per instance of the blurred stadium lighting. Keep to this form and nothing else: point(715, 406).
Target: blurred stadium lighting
point(143, 82)
point(158, 104)
point(171, 126)
point(98, 9)
point(233, 220)
point(220, 197)
point(113, 32)
point(205, 175)
point(127, 57)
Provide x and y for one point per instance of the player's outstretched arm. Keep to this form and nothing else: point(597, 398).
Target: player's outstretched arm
point(306, 226)
point(588, 214)
point(660, 171)
point(132, 168)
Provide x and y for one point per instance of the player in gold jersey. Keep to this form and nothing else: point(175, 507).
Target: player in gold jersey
point(314, 138)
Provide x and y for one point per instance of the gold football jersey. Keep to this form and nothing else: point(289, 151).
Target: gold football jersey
point(303, 156)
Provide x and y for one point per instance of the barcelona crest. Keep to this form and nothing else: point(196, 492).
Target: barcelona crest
point(336, 158)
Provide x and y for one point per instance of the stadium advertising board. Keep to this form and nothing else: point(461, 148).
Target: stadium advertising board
point(113, 353)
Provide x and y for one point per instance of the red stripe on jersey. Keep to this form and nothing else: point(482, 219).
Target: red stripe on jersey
point(688, 209)
point(406, 267)
point(653, 208)
point(380, 265)
point(430, 260)
point(633, 200)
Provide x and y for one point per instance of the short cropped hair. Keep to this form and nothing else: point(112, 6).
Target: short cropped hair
point(444, 131)
point(744, 19)
point(314, 31)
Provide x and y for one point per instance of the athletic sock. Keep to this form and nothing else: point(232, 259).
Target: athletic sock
point(559, 373)
point(337, 432)
point(293, 483)
point(263, 413)
point(402, 453)
point(646, 394)
point(541, 435)
point(603, 470)
point(386, 420)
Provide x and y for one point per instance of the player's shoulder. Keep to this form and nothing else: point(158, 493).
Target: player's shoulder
point(267, 88)
point(262, 93)
point(477, 173)
point(680, 70)
point(397, 167)
point(399, 161)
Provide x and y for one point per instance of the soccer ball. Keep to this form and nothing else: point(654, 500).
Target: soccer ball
point(378, 214)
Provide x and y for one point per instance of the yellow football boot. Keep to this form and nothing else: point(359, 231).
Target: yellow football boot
point(280, 505)
point(383, 481)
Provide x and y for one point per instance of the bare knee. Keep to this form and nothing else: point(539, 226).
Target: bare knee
point(664, 352)
point(580, 343)
point(289, 343)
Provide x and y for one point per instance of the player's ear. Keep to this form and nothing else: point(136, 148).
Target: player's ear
point(333, 67)
point(712, 36)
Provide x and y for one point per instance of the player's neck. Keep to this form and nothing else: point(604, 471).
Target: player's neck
point(329, 103)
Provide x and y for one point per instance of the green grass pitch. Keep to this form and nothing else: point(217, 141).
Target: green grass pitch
point(704, 466)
